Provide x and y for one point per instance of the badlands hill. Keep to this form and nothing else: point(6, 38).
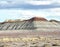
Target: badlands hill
point(35, 23)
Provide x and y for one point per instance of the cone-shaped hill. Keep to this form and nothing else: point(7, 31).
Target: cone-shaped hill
point(35, 23)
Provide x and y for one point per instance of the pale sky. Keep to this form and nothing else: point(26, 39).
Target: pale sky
point(25, 9)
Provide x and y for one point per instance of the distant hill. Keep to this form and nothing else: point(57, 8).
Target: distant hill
point(35, 23)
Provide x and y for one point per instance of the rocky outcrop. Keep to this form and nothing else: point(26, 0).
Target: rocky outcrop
point(38, 19)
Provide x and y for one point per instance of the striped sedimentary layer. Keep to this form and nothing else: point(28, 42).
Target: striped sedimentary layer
point(34, 23)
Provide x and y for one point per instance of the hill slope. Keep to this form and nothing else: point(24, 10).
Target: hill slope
point(34, 23)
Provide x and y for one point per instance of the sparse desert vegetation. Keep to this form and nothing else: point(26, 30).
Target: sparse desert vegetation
point(30, 42)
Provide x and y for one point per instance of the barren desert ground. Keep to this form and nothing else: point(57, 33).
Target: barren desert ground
point(29, 38)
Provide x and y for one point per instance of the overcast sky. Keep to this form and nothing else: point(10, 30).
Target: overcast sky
point(25, 9)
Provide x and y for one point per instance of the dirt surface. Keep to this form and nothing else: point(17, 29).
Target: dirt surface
point(29, 38)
